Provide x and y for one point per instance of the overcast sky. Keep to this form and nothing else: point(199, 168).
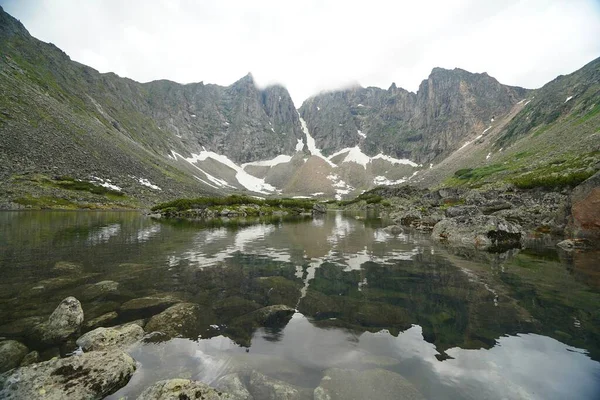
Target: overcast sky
point(310, 46)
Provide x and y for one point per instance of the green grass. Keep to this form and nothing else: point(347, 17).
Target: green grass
point(206, 202)
point(553, 181)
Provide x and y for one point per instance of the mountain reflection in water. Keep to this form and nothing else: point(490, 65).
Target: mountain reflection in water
point(455, 324)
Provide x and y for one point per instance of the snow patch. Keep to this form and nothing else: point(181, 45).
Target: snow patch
point(299, 145)
point(310, 142)
point(206, 183)
point(357, 156)
point(105, 183)
point(360, 133)
point(318, 108)
point(521, 102)
point(393, 160)
point(488, 128)
point(280, 159)
point(146, 182)
point(248, 181)
point(360, 105)
point(300, 197)
point(430, 165)
point(488, 156)
point(568, 98)
point(382, 180)
point(318, 194)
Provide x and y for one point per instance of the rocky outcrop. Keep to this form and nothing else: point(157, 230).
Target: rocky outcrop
point(482, 232)
point(584, 221)
point(105, 338)
point(178, 389)
point(345, 384)
point(11, 354)
point(91, 375)
point(62, 323)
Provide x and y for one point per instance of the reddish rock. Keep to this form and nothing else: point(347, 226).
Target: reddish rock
point(584, 222)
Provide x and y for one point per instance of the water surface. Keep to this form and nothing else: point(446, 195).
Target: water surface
point(455, 324)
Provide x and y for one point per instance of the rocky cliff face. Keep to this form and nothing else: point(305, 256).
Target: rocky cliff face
point(448, 107)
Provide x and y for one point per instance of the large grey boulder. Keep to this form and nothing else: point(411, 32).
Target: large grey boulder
point(482, 232)
point(92, 375)
point(62, 323)
point(177, 389)
point(11, 354)
point(104, 338)
point(381, 384)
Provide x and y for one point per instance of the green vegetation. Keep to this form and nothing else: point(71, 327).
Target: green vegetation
point(555, 180)
point(477, 174)
point(368, 197)
point(66, 182)
point(233, 200)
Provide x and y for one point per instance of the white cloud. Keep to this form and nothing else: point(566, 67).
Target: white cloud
point(313, 45)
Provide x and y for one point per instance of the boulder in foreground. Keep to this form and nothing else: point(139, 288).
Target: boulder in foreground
point(92, 375)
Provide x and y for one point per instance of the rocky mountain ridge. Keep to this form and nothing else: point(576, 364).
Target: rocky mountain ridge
point(64, 125)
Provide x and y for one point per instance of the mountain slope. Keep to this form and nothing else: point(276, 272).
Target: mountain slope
point(70, 136)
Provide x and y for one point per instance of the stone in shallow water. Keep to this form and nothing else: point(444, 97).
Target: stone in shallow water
point(21, 327)
point(99, 289)
point(183, 319)
point(251, 384)
point(68, 267)
point(177, 389)
point(148, 305)
point(30, 358)
point(482, 232)
point(91, 375)
point(103, 338)
point(103, 320)
point(378, 384)
point(63, 322)
point(11, 354)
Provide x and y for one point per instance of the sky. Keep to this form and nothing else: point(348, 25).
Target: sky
point(311, 46)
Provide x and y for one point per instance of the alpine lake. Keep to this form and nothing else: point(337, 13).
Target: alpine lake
point(372, 307)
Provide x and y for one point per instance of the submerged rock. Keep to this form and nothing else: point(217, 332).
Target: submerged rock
point(482, 232)
point(11, 354)
point(251, 384)
point(64, 321)
point(183, 319)
point(268, 316)
point(103, 338)
point(91, 375)
point(148, 305)
point(393, 230)
point(103, 320)
point(381, 384)
point(30, 358)
point(68, 267)
point(21, 327)
point(177, 389)
point(100, 289)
